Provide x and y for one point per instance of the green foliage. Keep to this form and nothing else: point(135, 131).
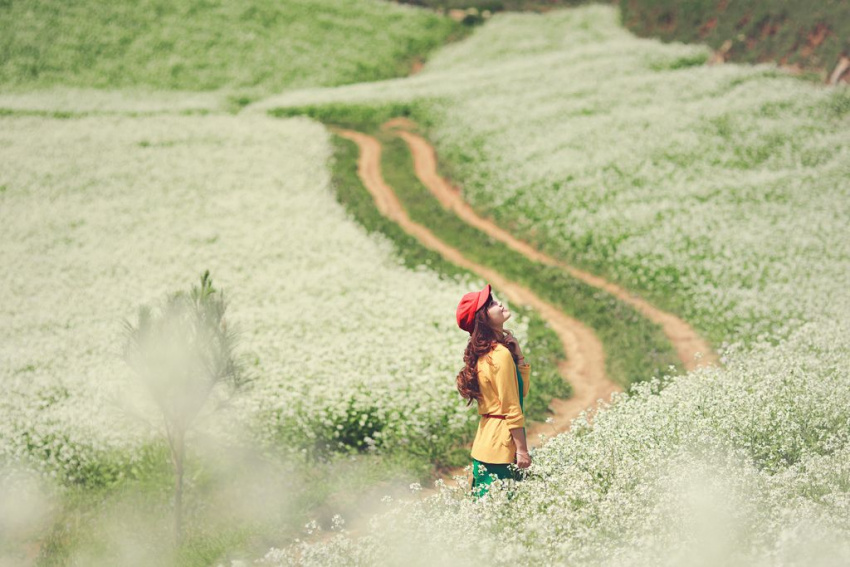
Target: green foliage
point(352, 428)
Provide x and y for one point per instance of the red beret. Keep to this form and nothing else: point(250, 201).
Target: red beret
point(469, 304)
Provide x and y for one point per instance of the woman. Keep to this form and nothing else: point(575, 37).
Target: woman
point(497, 377)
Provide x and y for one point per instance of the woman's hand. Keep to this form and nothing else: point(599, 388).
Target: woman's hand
point(523, 460)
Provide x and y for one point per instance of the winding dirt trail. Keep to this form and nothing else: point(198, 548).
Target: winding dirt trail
point(584, 368)
point(691, 349)
point(585, 364)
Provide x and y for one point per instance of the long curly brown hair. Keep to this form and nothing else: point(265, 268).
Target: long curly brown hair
point(483, 339)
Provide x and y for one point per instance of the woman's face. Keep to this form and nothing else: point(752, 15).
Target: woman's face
point(497, 313)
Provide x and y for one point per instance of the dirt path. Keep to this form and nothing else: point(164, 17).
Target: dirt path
point(584, 368)
point(691, 349)
point(585, 365)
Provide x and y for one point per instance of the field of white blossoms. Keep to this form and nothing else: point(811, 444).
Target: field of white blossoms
point(326, 309)
point(125, 176)
point(632, 158)
point(722, 193)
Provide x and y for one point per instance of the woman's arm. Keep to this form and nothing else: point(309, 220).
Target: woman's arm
point(519, 440)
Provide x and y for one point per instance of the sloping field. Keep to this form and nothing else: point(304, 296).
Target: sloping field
point(631, 158)
point(80, 53)
point(720, 193)
point(326, 309)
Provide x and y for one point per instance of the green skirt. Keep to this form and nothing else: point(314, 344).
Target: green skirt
point(483, 474)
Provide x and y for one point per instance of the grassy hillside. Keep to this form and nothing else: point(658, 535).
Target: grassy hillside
point(257, 47)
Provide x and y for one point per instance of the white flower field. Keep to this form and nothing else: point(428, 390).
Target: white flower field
point(631, 157)
point(720, 193)
point(326, 308)
point(743, 467)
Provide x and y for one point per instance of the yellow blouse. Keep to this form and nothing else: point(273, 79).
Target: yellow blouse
point(499, 395)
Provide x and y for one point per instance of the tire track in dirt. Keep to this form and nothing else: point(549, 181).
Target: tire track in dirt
point(690, 348)
point(585, 364)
